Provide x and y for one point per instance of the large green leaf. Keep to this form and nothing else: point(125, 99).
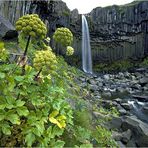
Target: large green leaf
point(19, 78)
point(19, 103)
point(2, 75)
point(29, 139)
point(22, 111)
point(6, 129)
point(13, 118)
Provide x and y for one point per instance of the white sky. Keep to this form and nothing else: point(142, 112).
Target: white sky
point(85, 6)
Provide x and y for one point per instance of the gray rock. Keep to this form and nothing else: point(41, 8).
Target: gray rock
point(140, 98)
point(106, 77)
point(145, 109)
point(115, 123)
point(118, 100)
point(143, 81)
point(126, 136)
point(121, 145)
point(131, 143)
point(122, 112)
point(93, 88)
point(6, 29)
point(116, 136)
point(138, 128)
point(92, 81)
point(126, 106)
point(106, 94)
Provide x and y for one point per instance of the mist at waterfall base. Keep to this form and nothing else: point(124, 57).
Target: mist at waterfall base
point(86, 49)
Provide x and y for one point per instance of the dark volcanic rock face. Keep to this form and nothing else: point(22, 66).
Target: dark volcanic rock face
point(119, 32)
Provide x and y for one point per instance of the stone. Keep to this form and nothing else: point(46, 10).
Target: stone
point(140, 98)
point(7, 31)
point(82, 79)
point(145, 109)
point(122, 112)
point(106, 77)
point(121, 145)
point(115, 123)
point(138, 128)
point(126, 106)
point(131, 143)
point(126, 136)
point(106, 95)
point(118, 100)
point(116, 136)
point(143, 81)
point(92, 81)
point(93, 88)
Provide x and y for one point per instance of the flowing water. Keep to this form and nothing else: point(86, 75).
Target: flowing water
point(86, 49)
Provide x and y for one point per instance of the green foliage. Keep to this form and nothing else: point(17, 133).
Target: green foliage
point(3, 52)
point(35, 106)
point(114, 67)
point(104, 137)
point(145, 62)
point(63, 36)
point(66, 13)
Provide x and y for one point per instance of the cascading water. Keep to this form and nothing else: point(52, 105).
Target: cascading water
point(86, 49)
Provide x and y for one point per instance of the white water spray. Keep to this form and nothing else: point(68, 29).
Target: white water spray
point(86, 49)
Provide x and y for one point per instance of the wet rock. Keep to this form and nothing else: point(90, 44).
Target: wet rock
point(126, 106)
point(145, 109)
point(140, 98)
point(116, 136)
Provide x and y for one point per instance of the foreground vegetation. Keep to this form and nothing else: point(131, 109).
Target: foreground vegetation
point(40, 103)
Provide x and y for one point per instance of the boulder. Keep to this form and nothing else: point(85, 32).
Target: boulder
point(115, 123)
point(126, 106)
point(143, 81)
point(126, 136)
point(139, 130)
point(7, 30)
point(140, 98)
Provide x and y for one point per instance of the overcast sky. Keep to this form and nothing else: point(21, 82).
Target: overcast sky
point(85, 6)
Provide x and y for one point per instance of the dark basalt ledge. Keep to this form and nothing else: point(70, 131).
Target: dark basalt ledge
point(116, 32)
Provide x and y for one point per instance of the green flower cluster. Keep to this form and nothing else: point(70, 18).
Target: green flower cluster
point(63, 36)
point(69, 51)
point(32, 25)
point(45, 60)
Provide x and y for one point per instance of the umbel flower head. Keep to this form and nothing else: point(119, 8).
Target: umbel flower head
point(45, 60)
point(69, 51)
point(32, 25)
point(63, 36)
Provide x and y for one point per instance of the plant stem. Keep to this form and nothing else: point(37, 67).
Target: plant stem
point(26, 49)
point(36, 77)
point(24, 55)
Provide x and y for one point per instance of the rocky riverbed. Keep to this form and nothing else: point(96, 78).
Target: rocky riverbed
point(128, 92)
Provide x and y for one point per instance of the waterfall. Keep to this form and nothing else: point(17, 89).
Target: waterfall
point(86, 49)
